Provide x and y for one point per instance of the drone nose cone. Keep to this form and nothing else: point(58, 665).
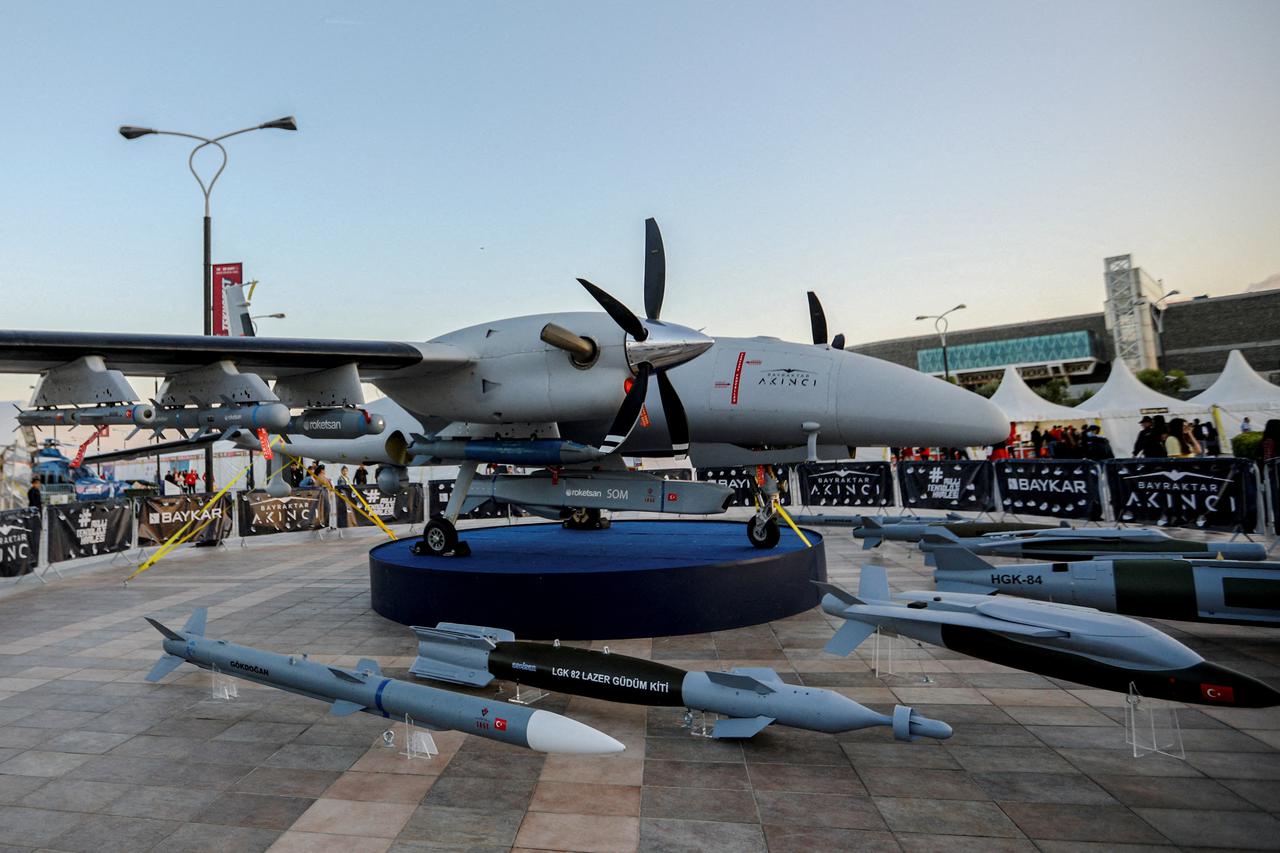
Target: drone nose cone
point(667, 345)
point(887, 404)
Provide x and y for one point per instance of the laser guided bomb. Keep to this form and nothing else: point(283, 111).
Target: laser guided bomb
point(1224, 591)
point(873, 530)
point(366, 689)
point(1085, 543)
point(1078, 644)
point(749, 699)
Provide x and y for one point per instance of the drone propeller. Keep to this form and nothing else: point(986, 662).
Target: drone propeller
point(818, 323)
point(655, 269)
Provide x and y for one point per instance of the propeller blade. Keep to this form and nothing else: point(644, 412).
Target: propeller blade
point(655, 269)
point(677, 421)
point(629, 411)
point(620, 313)
point(837, 342)
point(817, 319)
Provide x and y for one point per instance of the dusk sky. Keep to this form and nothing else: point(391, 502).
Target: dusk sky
point(463, 162)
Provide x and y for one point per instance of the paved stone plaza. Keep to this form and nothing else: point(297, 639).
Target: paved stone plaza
point(93, 758)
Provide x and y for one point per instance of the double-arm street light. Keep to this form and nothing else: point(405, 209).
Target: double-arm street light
point(941, 325)
point(132, 132)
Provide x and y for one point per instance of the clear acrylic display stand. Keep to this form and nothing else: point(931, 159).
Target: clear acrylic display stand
point(417, 743)
point(1151, 728)
point(527, 696)
point(224, 686)
point(883, 658)
point(699, 723)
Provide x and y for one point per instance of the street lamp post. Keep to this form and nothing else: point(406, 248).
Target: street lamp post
point(941, 325)
point(132, 132)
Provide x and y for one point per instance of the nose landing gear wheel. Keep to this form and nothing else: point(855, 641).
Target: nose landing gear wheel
point(763, 534)
point(440, 539)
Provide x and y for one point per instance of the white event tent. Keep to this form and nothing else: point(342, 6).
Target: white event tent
point(1239, 392)
point(1120, 402)
point(1024, 406)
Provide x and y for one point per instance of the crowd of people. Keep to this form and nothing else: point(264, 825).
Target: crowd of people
point(1176, 438)
point(179, 482)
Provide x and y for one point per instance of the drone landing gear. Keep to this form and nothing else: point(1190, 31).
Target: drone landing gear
point(440, 536)
point(762, 528)
point(583, 518)
point(440, 539)
point(763, 532)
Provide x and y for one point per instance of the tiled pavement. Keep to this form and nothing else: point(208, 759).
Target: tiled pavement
point(92, 758)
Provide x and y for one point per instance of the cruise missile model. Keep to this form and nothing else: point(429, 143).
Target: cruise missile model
point(873, 530)
point(1087, 542)
point(748, 699)
point(1078, 644)
point(366, 689)
point(1225, 591)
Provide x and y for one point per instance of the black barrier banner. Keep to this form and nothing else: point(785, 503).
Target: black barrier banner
point(439, 492)
point(19, 542)
point(302, 509)
point(946, 484)
point(1212, 494)
point(159, 518)
point(403, 507)
point(89, 528)
point(743, 483)
point(1063, 488)
point(1273, 487)
point(845, 483)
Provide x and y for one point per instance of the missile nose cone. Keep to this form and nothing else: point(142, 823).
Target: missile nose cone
point(927, 727)
point(548, 732)
point(887, 404)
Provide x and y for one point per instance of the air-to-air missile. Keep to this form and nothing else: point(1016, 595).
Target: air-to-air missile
point(1063, 641)
point(366, 689)
point(747, 698)
point(272, 417)
point(1087, 542)
point(873, 529)
point(1226, 591)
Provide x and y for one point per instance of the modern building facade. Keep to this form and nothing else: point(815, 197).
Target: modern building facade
point(1137, 323)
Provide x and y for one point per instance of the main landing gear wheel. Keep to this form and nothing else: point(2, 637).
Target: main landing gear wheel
point(585, 518)
point(440, 539)
point(763, 534)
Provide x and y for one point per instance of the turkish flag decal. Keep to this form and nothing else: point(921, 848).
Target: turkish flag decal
point(1217, 693)
point(500, 724)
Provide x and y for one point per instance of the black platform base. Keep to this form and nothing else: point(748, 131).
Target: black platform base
point(635, 579)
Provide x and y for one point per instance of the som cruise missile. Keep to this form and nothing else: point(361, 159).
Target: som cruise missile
point(1077, 644)
point(748, 699)
point(366, 689)
point(873, 529)
point(1087, 542)
point(1224, 591)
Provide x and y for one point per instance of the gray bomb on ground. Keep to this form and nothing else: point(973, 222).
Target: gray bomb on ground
point(1084, 543)
point(366, 689)
point(1224, 591)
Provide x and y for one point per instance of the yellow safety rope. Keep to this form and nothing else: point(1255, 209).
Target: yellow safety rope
point(370, 514)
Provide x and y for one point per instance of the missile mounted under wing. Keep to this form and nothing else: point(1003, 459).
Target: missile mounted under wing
point(1078, 644)
point(749, 699)
point(366, 689)
point(1084, 543)
point(1223, 591)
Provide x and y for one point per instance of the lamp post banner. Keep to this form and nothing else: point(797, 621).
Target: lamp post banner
point(947, 484)
point(261, 514)
point(846, 483)
point(160, 517)
point(89, 528)
point(19, 542)
point(743, 483)
point(223, 275)
point(439, 491)
point(1067, 488)
point(403, 507)
point(1211, 494)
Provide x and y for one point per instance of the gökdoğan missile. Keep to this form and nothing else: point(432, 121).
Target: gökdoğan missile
point(1078, 644)
point(366, 689)
point(1224, 591)
point(748, 699)
point(1085, 543)
point(873, 530)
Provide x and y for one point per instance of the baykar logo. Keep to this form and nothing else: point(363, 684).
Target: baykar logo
point(789, 377)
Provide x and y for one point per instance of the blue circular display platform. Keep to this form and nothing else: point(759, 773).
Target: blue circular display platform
point(634, 579)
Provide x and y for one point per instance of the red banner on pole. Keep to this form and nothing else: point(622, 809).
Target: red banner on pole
point(223, 275)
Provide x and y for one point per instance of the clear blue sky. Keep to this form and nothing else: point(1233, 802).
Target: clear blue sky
point(462, 162)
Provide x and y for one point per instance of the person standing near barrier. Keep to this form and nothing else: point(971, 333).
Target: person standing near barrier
point(1271, 439)
point(361, 477)
point(1181, 444)
point(322, 480)
point(35, 500)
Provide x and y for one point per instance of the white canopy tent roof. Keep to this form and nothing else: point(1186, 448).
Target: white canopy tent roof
point(1124, 396)
point(1240, 392)
point(1022, 405)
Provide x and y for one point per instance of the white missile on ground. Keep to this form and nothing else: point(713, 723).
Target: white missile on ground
point(366, 689)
